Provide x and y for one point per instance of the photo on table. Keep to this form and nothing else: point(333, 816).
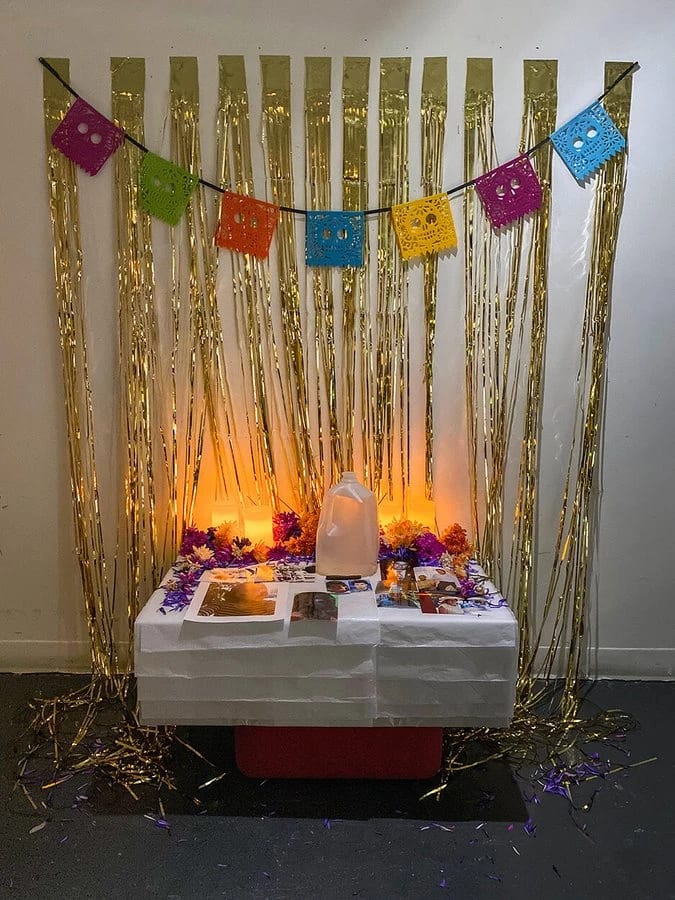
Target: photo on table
point(346, 586)
point(397, 601)
point(264, 572)
point(314, 606)
point(238, 600)
point(437, 580)
point(395, 575)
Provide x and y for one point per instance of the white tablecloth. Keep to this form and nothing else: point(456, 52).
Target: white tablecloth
point(379, 667)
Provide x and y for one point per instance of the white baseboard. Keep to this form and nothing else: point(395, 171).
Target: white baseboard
point(45, 656)
point(627, 663)
point(635, 663)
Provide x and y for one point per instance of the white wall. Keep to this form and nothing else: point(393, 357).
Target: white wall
point(634, 619)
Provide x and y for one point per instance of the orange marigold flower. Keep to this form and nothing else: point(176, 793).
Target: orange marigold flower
point(305, 543)
point(455, 539)
point(224, 534)
point(260, 552)
point(403, 532)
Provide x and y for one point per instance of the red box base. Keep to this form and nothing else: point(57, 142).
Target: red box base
point(275, 752)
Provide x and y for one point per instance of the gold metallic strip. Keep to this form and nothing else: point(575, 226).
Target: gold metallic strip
point(318, 164)
point(392, 358)
point(141, 536)
point(357, 355)
point(580, 500)
point(480, 278)
point(276, 111)
point(433, 114)
point(250, 275)
point(539, 120)
point(193, 250)
point(68, 273)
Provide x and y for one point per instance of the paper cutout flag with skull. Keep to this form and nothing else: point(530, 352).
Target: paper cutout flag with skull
point(246, 224)
point(424, 226)
point(334, 238)
point(165, 188)
point(587, 141)
point(510, 191)
point(87, 137)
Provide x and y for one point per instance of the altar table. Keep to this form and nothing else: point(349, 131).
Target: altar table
point(379, 667)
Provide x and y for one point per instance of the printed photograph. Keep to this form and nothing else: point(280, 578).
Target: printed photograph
point(397, 601)
point(244, 599)
point(347, 586)
point(315, 606)
point(264, 572)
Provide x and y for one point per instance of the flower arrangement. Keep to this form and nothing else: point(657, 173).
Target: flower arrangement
point(295, 540)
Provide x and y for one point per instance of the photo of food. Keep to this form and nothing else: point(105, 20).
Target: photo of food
point(245, 599)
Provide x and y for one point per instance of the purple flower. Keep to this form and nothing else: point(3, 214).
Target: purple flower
point(429, 548)
point(192, 537)
point(285, 525)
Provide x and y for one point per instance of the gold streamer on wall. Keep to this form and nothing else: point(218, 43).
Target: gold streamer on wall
point(140, 538)
point(276, 111)
point(250, 275)
point(480, 287)
point(65, 219)
point(539, 120)
point(317, 176)
point(392, 358)
point(357, 355)
point(433, 112)
point(579, 504)
point(205, 374)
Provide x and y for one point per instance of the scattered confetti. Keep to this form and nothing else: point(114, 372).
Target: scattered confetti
point(37, 828)
point(530, 828)
point(326, 823)
point(437, 825)
point(556, 872)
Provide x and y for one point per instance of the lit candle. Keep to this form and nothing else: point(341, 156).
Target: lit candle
point(258, 524)
point(227, 511)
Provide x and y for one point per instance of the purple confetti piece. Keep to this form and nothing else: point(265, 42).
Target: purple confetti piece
point(510, 827)
point(326, 823)
point(494, 877)
point(530, 828)
point(442, 884)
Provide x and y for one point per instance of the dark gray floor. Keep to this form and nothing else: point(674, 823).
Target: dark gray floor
point(343, 840)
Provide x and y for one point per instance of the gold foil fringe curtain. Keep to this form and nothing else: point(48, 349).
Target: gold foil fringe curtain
point(68, 276)
point(177, 370)
point(392, 357)
point(433, 114)
point(252, 313)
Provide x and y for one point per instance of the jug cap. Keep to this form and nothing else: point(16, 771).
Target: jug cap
point(349, 476)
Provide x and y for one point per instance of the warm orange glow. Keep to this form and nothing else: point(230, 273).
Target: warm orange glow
point(226, 511)
point(258, 524)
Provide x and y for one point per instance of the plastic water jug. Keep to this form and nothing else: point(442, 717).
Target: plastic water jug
point(348, 536)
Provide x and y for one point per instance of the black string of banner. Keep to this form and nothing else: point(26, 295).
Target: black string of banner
point(368, 212)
